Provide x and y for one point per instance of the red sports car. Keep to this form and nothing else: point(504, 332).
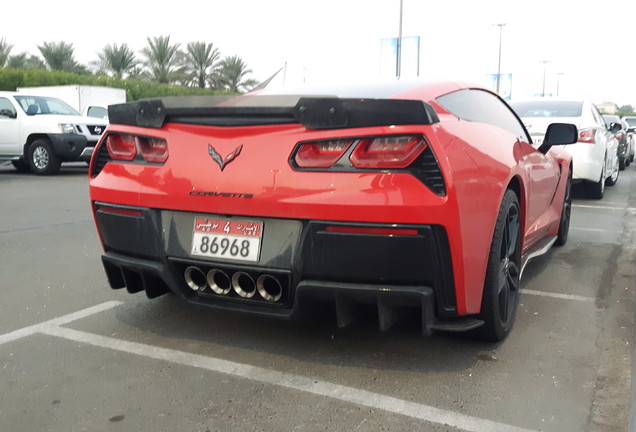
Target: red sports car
point(426, 196)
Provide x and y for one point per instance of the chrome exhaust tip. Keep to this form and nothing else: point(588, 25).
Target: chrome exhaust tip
point(195, 278)
point(219, 281)
point(269, 288)
point(243, 284)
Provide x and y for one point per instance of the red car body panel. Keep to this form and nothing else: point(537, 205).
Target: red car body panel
point(478, 162)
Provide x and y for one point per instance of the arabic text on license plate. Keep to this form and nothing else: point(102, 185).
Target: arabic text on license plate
point(227, 238)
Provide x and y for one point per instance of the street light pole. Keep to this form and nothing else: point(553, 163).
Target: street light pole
point(558, 81)
point(499, 62)
point(543, 91)
point(398, 59)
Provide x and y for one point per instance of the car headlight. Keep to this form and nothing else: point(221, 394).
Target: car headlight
point(67, 128)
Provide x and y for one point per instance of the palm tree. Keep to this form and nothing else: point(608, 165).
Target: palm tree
point(117, 60)
point(231, 75)
point(59, 56)
point(162, 59)
point(5, 50)
point(201, 62)
point(25, 61)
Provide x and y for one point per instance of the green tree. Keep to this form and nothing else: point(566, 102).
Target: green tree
point(25, 61)
point(231, 75)
point(201, 62)
point(162, 59)
point(5, 50)
point(60, 56)
point(625, 110)
point(116, 60)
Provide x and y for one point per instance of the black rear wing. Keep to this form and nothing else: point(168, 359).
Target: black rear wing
point(311, 112)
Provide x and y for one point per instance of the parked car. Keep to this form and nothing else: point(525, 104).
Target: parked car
point(631, 134)
point(398, 196)
point(595, 155)
point(621, 136)
point(39, 133)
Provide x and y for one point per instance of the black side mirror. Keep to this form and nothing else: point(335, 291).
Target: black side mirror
point(559, 134)
point(615, 127)
point(8, 113)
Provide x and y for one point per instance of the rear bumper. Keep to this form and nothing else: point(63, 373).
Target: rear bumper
point(148, 250)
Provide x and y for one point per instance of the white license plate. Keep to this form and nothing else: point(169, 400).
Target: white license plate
point(227, 238)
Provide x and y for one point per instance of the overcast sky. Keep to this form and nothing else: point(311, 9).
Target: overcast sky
point(584, 48)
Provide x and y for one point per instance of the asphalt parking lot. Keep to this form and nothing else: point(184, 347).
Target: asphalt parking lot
point(78, 356)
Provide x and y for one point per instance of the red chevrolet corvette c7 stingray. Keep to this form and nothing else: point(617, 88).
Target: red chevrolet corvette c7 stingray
point(402, 197)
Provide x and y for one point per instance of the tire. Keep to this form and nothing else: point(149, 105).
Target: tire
point(611, 180)
point(501, 287)
point(596, 190)
point(21, 165)
point(566, 212)
point(622, 163)
point(42, 158)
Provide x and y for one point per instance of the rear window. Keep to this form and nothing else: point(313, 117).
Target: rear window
point(548, 108)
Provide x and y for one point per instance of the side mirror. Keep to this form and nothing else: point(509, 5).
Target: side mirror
point(559, 134)
point(615, 127)
point(8, 113)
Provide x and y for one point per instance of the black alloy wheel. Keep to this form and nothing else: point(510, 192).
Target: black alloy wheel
point(502, 284)
point(566, 212)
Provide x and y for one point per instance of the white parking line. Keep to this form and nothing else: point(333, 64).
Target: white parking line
point(295, 382)
point(28, 331)
point(557, 295)
point(602, 207)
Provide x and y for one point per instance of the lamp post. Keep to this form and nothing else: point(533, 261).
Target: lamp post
point(544, 67)
point(558, 82)
point(499, 61)
point(398, 59)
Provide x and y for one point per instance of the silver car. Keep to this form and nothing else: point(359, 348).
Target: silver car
point(595, 154)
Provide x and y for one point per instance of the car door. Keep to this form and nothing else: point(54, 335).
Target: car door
point(9, 128)
point(541, 171)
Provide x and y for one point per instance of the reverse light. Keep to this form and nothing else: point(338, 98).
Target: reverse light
point(153, 149)
point(587, 135)
point(321, 154)
point(387, 152)
point(121, 147)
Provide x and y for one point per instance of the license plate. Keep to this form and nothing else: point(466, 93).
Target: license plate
point(227, 238)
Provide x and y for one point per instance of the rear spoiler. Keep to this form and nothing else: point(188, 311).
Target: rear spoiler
point(311, 112)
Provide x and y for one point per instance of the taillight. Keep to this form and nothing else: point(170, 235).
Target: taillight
point(322, 154)
point(618, 135)
point(153, 149)
point(121, 147)
point(387, 152)
point(587, 135)
point(125, 147)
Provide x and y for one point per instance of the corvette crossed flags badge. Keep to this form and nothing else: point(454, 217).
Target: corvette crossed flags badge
point(222, 161)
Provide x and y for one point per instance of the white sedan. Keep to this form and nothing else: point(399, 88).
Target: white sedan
point(595, 154)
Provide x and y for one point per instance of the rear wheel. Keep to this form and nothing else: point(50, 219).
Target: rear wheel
point(42, 158)
point(501, 287)
point(597, 189)
point(612, 179)
point(564, 224)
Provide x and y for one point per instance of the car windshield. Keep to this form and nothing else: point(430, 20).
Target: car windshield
point(34, 105)
point(548, 108)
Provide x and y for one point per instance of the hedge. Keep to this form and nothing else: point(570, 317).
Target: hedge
point(10, 79)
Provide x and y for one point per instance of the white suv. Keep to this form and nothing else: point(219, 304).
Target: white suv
point(594, 155)
point(38, 133)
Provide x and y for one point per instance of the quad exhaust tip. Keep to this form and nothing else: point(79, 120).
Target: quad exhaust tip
point(268, 287)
